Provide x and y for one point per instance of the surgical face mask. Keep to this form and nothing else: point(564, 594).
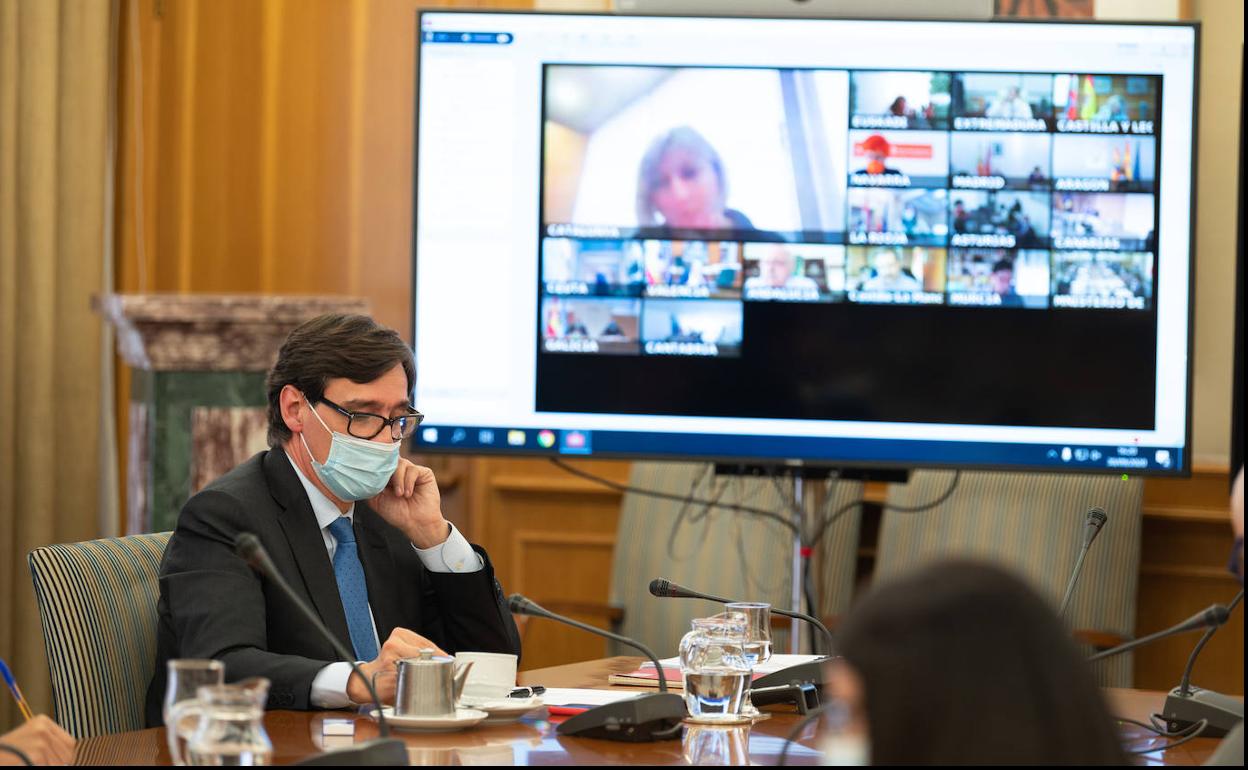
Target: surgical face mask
point(356, 468)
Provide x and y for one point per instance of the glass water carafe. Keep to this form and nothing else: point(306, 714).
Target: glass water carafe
point(715, 667)
point(224, 725)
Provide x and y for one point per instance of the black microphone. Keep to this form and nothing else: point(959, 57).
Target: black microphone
point(666, 589)
point(1093, 521)
point(647, 718)
point(382, 751)
point(1214, 615)
point(809, 673)
point(1187, 705)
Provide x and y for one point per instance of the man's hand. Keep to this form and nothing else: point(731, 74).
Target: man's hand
point(412, 504)
point(42, 740)
point(401, 644)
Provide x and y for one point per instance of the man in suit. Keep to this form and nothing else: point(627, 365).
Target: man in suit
point(354, 528)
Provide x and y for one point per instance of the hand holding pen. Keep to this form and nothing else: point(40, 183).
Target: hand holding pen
point(39, 741)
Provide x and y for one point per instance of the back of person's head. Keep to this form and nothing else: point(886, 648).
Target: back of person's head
point(962, 663)
point(329, 346)
point(681, 138)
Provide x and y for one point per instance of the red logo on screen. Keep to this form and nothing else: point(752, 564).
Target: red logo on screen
point(898, 150)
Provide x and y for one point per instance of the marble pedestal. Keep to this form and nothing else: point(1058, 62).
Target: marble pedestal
point(197, 394)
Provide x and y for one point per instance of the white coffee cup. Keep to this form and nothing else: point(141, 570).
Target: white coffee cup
point(493, 675)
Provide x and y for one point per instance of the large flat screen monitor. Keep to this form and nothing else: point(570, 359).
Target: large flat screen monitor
point(880, 243)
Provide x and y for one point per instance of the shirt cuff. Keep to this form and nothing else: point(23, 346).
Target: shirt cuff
point(329, 687)
point(453, 555)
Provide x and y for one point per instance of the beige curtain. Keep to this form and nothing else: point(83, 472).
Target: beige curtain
point(55, 96)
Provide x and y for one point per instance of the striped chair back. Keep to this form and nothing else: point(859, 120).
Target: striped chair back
point(1032, 524)
point(97, 603)
point(715, 550)
point(841, 502)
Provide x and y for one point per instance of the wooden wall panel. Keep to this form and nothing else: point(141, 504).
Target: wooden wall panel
point(563, 572)
point(1186, 543)
point(551, 537)
point(267, 147)
point(275, 146)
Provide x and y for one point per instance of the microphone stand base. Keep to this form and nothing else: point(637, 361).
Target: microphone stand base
point(654, 717)
point(802, 673)
point(1222, 713)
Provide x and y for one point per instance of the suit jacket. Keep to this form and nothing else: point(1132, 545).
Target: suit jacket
point(212, 605)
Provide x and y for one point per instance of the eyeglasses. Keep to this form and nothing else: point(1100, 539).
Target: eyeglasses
point(366, 425)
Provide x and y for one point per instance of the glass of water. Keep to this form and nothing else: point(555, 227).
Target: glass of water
point(757, 629)
point(185, 677)
point(715, 669)
point(757, 638)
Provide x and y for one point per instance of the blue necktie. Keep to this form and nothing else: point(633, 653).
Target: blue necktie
point(354, 591)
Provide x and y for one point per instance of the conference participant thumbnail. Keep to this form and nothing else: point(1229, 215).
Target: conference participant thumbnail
point(691, 327)
point(988, 161)
point(1105, 104)
point(692, 153)
point(1007, 219)
point(590, 325)
point(1084, 163)
point(1104, 221)
point(899, 99)
point(692, 269)
point(890, 217)
point(883, 158)
point(1114, 280)
point(794, 272)
point(996, 101)
point(891, 275)
point(592, 267)
point(998, 278)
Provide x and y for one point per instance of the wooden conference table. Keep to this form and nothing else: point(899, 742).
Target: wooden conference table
point(533, 741)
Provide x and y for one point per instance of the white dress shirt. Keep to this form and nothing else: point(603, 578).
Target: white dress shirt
point(329, 687)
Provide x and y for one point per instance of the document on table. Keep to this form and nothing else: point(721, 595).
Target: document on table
point(563, 696)
point(776, 663)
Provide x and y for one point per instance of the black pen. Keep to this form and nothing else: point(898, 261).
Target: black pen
point(527, 692)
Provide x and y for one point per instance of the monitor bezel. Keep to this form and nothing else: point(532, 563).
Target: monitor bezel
point(1182, 470)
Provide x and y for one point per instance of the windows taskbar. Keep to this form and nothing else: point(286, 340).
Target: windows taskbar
point(810, 450)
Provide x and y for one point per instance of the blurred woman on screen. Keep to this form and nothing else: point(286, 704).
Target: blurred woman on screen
point(681, 185)
point(963, 664)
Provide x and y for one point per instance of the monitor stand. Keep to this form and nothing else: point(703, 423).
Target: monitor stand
point(799, 472)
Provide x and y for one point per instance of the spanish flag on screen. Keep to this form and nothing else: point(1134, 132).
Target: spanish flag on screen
point(1087, 110)
point(554, 320)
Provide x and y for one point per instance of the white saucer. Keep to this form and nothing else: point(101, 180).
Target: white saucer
point(463, 718)
point(503, 710)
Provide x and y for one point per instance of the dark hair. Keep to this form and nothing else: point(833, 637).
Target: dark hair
point(352, 346)
point(1002, 264)
point(963, 664)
